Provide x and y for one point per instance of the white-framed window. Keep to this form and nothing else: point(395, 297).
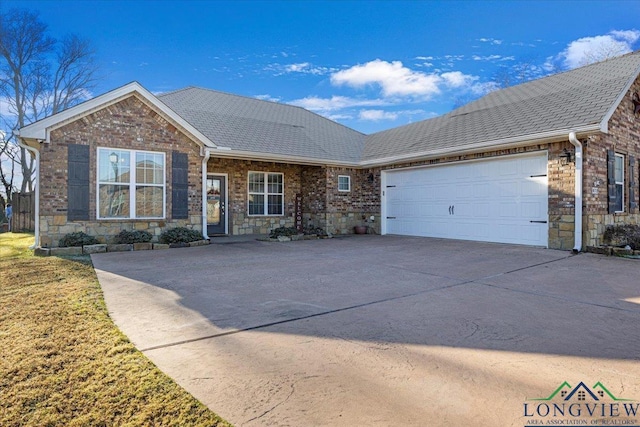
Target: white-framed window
point(344, 183)
point(266, 193)
point(619, 179)
point(131, 184)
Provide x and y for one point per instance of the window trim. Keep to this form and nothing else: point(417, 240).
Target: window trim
point(132, 184)
point(265, 193)
point(620, 183)
point(348, 183)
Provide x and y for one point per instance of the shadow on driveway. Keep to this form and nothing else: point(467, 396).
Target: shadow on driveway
point(359, 330)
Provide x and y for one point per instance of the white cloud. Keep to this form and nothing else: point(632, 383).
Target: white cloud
point(486, 58)
point(300, 67)
point(335, 103)
point(297, 67)
point(490, 40)
point(377, 115)
point(424, 58)
point(393, 78)
point(456, 79)
point(267, 97)
point(588, 50)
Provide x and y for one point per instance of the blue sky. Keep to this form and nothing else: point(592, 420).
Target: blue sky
point(370, 65)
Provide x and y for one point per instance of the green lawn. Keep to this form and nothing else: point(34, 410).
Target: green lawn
point(64, 363)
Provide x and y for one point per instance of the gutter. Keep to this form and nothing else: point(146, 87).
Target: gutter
point(36, 154)
point(205, 160)
point(578, 192)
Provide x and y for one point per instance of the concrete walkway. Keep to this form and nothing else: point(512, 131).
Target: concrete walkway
point(378, 330)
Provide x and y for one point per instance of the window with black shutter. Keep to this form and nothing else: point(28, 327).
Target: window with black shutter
point(179, 185)
point(78, 182)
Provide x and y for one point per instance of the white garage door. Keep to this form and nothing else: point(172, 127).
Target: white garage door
point(499, 200)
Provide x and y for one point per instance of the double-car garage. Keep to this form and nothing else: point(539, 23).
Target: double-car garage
point(502, 200)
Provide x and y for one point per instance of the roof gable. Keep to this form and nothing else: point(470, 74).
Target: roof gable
point(40, 130)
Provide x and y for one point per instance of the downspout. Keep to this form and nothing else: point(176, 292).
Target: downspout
point(578, 192)
point(36, 154)
point(204, 194)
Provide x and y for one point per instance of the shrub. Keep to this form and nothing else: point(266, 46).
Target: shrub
point(180, 235)
point(79, 238)
point(138, 236)
point(283, 231)
point(622, 235)
point(314, 230)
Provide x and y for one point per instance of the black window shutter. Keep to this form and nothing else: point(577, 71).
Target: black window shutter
point(179, 185)
point(611, 180)
point(78, 182)
point(633, 184)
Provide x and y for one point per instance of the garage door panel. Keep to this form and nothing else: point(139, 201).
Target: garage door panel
point(487, 200)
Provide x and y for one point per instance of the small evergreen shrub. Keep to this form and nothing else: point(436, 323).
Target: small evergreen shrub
point(283, 231)
point(314, 230)
point(137, 236)
point(622, 235)
point(180, 235)
point(79, 238)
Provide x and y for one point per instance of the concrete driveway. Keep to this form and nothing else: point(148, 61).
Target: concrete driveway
point(379, 330)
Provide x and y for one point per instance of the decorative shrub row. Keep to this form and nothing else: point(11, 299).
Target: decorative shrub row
point(180, 235)
point(172, 235)
point(79, 238)
point(292, 231)
point(138, 236)
point(623, 235)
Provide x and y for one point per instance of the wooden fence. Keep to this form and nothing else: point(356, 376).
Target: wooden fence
point(24, 212)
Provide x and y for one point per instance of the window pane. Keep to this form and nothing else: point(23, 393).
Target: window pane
point(619, 197)
point(275, 205)
point(256, 204)
point(149, 202)
point(114, 165)
point(114, 201)
point(344, 183)
point(275, 183)
point(149, 168)
point(256, 182)
point(619, 169)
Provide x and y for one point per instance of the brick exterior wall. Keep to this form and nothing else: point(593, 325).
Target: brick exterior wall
point(623, 138)
point(127, 124)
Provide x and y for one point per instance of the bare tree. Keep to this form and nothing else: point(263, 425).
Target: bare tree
point(39, 76)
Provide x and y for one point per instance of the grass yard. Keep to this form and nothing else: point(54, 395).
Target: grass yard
point(62, 360)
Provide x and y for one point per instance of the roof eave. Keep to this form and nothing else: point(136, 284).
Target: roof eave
point(501, 144)
point(280, 158)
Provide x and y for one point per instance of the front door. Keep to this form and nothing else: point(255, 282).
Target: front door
point(216, 203)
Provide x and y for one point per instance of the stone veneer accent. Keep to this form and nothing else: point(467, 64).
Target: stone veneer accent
point(127, 124)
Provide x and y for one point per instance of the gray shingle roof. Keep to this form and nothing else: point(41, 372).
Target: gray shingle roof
point(565, 101)
point(562, 102)
point(248, 124)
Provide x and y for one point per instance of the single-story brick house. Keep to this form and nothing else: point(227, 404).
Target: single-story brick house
point(500, 169)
